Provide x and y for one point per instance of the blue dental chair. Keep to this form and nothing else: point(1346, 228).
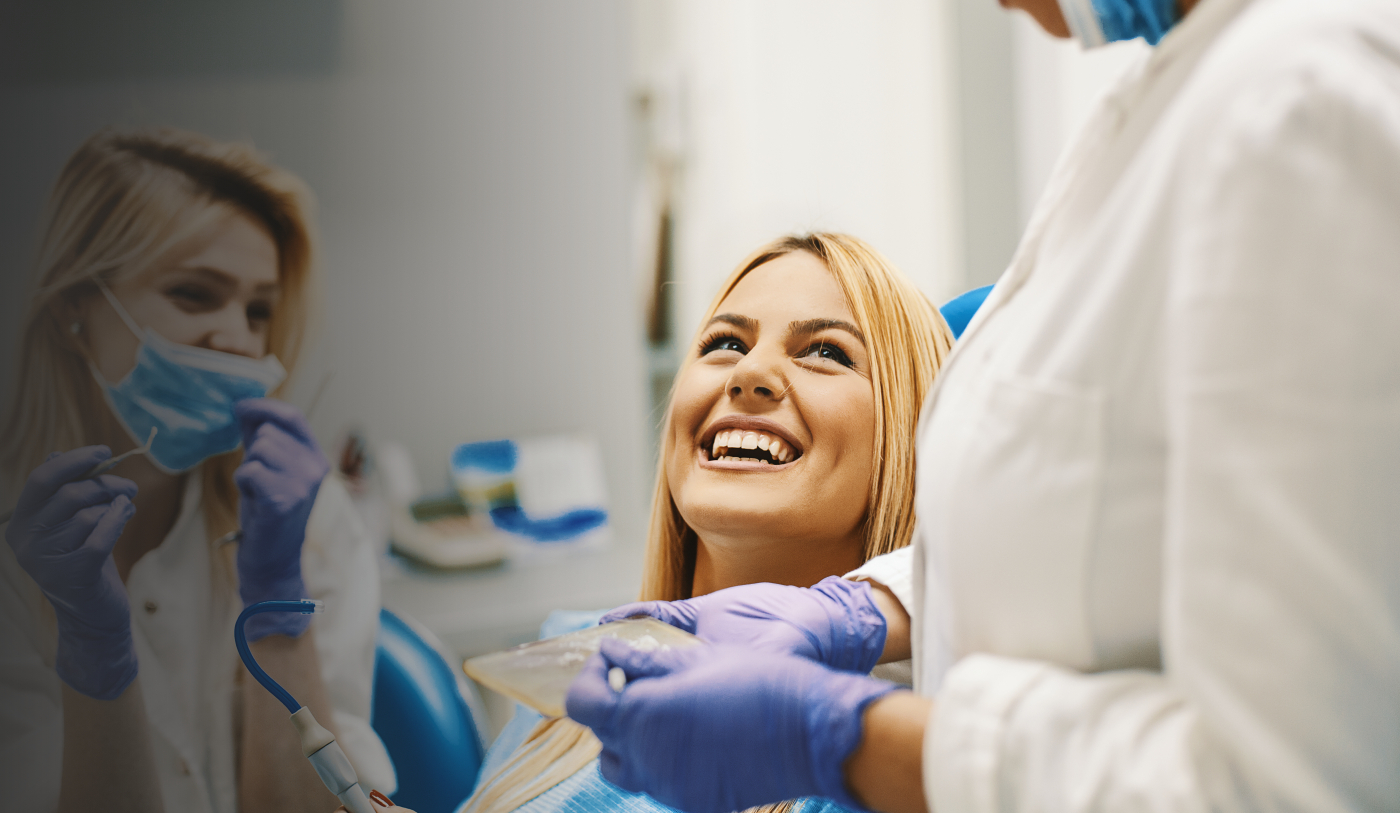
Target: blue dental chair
point(427, 716)
point(959, 310)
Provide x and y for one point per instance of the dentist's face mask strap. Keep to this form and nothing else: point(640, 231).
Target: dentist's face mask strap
point(186, 393)
point(1098, 22)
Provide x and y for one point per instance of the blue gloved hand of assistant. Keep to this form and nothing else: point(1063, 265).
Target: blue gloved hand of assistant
point(62, 534)
point(835, 622)
point(277, 484)
point(722, 728)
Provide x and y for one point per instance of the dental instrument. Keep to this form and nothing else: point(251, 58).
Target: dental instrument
point(101, 468)
point(317, 744)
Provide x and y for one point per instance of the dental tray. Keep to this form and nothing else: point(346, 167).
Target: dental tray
point(538, 674)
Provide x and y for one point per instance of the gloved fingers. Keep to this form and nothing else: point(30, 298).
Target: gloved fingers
point(59, 469)
point(108, 528)
point(636, 664)
point(64, 541)
point(254, 412)
point(249, 475)
point(676, 613)
point(591, 701)
point(284, 451)
point(79, 494)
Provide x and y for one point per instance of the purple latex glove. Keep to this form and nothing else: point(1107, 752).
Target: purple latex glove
point(722, 728)
point(835, 622)
point(62, 534)
point(277, 485)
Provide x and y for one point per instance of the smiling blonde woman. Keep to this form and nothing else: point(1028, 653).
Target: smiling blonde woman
point(787, 457)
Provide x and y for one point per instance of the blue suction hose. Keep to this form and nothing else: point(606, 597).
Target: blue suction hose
point(317, 743)
point(240, 640)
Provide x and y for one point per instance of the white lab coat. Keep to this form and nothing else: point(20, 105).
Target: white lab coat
point(1158, 560)
point(183, 605)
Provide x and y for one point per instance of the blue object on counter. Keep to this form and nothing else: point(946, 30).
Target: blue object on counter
point(554, 529)
point(497, 456)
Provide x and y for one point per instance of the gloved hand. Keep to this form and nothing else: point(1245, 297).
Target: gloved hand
point(277, 485)
point(62, 534)
point(722, 728)
point(835, 622)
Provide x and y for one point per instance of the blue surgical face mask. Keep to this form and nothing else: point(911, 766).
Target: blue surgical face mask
point(1097, 22)
point(186, 393)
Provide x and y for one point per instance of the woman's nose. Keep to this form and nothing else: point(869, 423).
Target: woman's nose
point(231, 333)
point(758, 375)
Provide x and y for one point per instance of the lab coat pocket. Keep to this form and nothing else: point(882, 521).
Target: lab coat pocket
point(1023, 521)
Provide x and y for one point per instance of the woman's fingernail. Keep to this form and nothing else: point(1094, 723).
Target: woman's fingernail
point(380, 799)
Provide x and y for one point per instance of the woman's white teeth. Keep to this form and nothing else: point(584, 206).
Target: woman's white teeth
point(777, 452)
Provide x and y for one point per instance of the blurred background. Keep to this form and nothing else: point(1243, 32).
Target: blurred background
point(524, 206)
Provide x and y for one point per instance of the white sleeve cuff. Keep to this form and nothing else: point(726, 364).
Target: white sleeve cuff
point(894, 570)
point(963, 740)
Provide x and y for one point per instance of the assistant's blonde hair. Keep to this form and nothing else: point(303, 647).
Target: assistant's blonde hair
point(122, 204)
point(908, 342)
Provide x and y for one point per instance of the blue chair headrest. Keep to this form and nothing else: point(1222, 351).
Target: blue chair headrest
point(959, 310)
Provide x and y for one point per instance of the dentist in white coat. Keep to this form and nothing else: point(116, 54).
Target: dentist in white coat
point(1158, 563)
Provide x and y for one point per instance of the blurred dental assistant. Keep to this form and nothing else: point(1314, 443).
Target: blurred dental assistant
point(1157, 565)
point(175, 280)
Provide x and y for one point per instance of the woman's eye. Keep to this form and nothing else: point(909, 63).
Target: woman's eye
point(830, 352)
point(259, 313)
point(723, 343)
point(193, 297)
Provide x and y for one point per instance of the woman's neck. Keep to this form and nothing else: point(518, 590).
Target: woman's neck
point(157, 502)
point(728, 562)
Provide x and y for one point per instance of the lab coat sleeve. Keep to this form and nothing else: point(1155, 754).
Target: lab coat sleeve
point(1281, 538)
point(31, 702)
point(894, 570)
point(339, 566)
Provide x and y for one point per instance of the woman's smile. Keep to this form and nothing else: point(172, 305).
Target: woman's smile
point(748, 443)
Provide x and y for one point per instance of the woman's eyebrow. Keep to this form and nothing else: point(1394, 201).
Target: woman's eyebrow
point(227, 281)
point(809, 326)
point(741, 322)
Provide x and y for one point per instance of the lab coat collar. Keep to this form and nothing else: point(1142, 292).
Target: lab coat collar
point(1188, 40)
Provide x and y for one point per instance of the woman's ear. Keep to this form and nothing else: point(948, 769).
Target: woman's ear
point(70, 312)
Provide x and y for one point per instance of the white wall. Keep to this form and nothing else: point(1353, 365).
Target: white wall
point(799, 115)
point(471, 162)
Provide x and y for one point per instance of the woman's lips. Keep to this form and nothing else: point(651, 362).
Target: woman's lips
point(738, 438)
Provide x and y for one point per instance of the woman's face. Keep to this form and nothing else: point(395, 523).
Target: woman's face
point(216, 292)
point(782, 362)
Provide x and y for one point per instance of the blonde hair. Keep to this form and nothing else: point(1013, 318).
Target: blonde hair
point(908, 342)
point(122, 204)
